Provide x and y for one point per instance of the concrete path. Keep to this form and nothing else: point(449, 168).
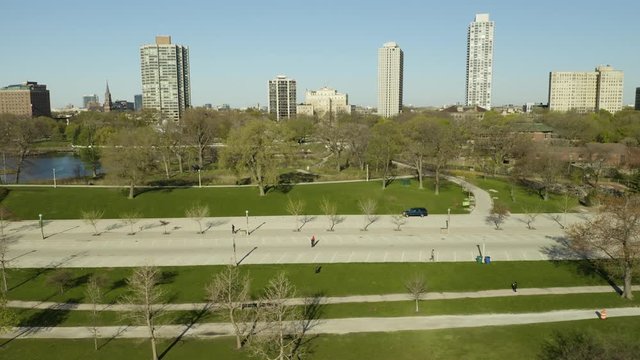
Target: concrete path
point(339, 299)
point(272, 240)
point(329, 326)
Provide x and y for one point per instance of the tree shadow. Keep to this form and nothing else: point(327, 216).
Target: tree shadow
point(312, 311)
point(584, 263)
point(188, 319)
point(46, 318)
point(167, 277)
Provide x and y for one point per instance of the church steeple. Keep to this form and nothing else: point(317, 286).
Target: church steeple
point(106, 107)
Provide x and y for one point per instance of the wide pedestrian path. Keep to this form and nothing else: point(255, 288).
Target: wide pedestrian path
point(328, 326)
point(338, 299)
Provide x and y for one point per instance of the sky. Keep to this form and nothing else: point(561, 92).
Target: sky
point(236, 46)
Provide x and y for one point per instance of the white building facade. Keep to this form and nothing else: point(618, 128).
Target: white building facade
point(480, 61)
point(601, 89)
point(324, 102)
point(282, 98)
point(166, 83)
point(390, 78)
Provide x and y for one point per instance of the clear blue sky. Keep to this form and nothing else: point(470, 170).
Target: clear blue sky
point(237, 46)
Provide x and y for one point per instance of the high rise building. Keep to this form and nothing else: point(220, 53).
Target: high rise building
point(137, 102)
point(480, 61)
point(166, 84)
point(106, 107)
point(282, 97)
point(586, 91)
point(324, 102)
point(26, 99)
point(390, 73)
point(637, 107)
point(89, 100)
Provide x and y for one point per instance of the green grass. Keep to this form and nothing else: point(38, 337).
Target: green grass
point(526, 200)
point(494, 342)
point(186, 284)
point(495, 305)
point(68, 203)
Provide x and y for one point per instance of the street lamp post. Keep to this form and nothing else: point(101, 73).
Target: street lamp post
point(54, 178)
point(199, 179)
point(448, 217)
point(246, 214)
point(41, 226)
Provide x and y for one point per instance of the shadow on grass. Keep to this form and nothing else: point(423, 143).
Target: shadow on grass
point(189, 319)
point(585, 263)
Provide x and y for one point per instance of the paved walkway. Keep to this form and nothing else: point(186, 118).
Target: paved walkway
point(329, 326)
point(340, 299)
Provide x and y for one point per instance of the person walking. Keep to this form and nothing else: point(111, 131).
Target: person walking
point(514, 286)
point(433, 255)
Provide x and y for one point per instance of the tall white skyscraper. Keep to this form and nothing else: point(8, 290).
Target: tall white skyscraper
point(282, 97)
point(480, 61)
point(166, 84)
point(390, 70)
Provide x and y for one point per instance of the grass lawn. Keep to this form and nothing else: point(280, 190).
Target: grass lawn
point(68, 203)
point(496, 305)
point(495, 342)
point(186, 284)
point(526, 200)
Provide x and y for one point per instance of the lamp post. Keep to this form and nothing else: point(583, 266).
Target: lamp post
point(41, 226)
point(246, 214)
point(199, 179)
point(235, 258)
point(54, 178)
point(448, 217)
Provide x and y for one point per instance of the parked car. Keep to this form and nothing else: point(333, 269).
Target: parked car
point(420, 211)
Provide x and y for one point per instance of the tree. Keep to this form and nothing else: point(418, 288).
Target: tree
point(147, 300)
point(614, 233)
point(543, 164)
point(398, 220)
point(417, 287)
point(258, 148)
point(61, 278)
point(228, 292)
point(333, 138)
point(199, 128)
point(368, 208)
point(93, 293)
point(499, 213)
point(530, 217)
point(130, 218)
point(283, 332)
point(197, 213)
point(18, 136)
point(295, 207)
point(385, 144)
point(8, 318)
point(130, 157)
point(357, 136)
point(91, 217)
point(330, 210)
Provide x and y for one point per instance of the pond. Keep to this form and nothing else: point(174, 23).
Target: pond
point(39, 168)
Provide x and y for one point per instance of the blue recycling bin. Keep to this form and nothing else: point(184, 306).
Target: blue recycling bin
point(487, 259)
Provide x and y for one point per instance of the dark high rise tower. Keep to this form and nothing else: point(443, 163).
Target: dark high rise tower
point(106, 107)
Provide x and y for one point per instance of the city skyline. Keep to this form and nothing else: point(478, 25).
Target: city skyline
point(232, 55)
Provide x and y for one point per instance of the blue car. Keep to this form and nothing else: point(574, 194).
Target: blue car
point(422, 212)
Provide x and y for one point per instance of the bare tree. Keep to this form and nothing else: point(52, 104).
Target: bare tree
point(61, 278)
point(530, 217)
point(147, 300)
point(4, 262)
point(228, 292)
point(92, 217)
point(330, 210)
point(368, 208)
point(417, 287)
point(197, 213)
point(130, 218)
point(93, 293)
point(8, 318)
point(499, 213)
point(614, 233)
point(281, 337)
point(295, 207)
point(398, 221)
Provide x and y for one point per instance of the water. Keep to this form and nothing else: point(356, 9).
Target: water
point(39, 168)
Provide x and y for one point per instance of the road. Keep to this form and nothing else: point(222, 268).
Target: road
point(272, 240)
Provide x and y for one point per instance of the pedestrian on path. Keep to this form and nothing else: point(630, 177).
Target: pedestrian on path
point(313, 241)
point(233, 229)
point(433, 255)
point(514, 286)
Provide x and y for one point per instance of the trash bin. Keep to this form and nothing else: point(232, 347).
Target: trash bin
point(479, 259)
point(487, 259)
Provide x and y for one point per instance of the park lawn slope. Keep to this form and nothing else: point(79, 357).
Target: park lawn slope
point(69, 203)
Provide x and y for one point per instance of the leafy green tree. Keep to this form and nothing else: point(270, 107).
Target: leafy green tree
point(384, 145)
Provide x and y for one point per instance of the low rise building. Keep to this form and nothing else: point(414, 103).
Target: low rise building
point(324, 102)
